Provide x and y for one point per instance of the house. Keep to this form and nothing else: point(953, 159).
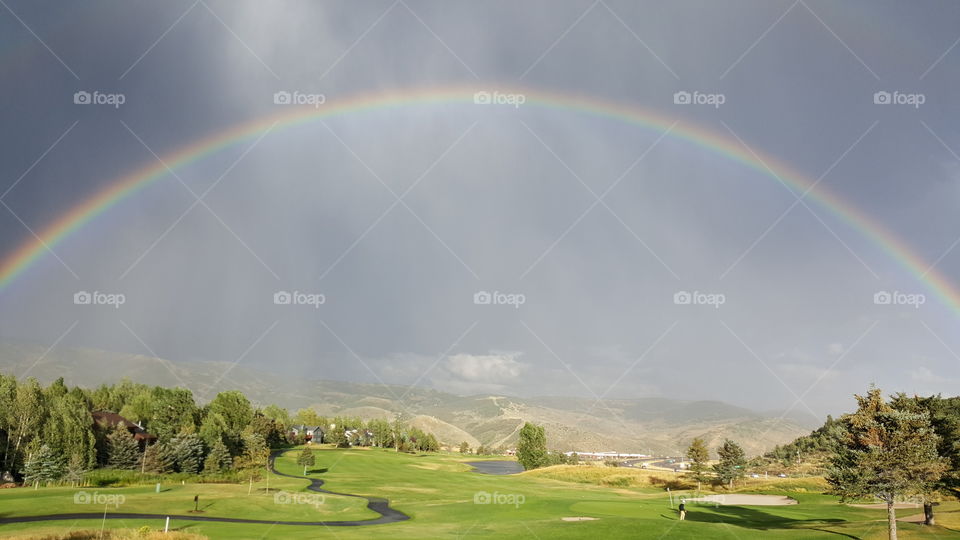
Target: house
point(357, 437)
point(108, 420)
point(310, 433)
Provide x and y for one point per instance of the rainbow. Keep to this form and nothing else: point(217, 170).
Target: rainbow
point(20, 260)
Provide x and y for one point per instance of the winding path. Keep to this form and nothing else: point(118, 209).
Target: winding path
point(379, 505)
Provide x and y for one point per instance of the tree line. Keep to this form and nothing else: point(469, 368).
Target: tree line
point(48, 433)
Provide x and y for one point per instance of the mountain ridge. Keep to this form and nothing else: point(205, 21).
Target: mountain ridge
point(654, 425)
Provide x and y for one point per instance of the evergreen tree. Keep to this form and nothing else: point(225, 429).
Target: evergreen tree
point(945, 420)
point(218, 459)
point(532, 447)
point(731, 464)
point(157, 458)
point(306, 459)
point(187, 452)
point(43, 466)
point(698, 456)
point(887, 453)
point(123, 452)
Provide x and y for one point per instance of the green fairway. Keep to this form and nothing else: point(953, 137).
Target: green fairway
point(445, 499)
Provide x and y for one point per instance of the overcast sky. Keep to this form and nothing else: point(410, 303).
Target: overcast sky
point(495, 197)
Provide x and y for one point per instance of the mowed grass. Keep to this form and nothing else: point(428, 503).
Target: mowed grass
point(441, 495)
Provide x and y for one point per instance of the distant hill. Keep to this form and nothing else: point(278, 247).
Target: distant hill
point(648, 425)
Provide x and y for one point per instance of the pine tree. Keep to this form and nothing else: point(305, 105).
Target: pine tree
point(218, 459)
point(157, 458)
point(123, 452)
point(886, 453)
point(306, 459)
point(732, 461)
point(187, 452)
point(698, 456)
point(42, 467)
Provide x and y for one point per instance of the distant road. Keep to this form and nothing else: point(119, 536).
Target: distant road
point(652, 463)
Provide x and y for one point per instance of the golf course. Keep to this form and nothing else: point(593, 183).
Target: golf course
point(446, 498)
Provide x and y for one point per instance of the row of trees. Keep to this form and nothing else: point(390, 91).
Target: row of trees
point(730, 466)
point(48, 434)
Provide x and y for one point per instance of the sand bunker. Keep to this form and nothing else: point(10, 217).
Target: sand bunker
point(739, 499)
point(883, 506)
point(579, 518)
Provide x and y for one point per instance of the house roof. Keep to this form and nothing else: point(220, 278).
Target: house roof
point(110, 419)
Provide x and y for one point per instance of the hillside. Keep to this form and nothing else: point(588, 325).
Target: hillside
point(648, 425)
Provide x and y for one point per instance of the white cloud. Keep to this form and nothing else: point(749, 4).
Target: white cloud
point(925, 376)
point(488, 368)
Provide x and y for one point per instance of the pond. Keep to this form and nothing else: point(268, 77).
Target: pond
point(496, 467)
